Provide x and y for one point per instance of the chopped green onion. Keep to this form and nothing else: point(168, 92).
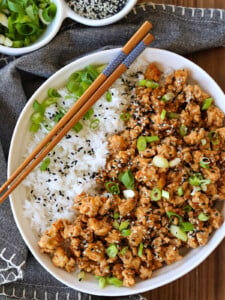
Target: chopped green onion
point(198, 180)
point(156, 194)
point(77, 127)
point(178, 233)
point(140, 249)
point(174, 162)
point(23, 22)
point(180, 191)
point(141, 143)
point(53, 93)
point(173, 115)
point(114, 281)
point(37, 117)
point(214, 137)
point(94, 124)
point(125, 117)
point(204, 162)
point(127, 178)
point(116, 215)
point(187, 208)
point(165, 194)
point(124, 225)
point(171, 214)
point(152, 138)
point(80, 275)
point(112, 187)
point(148, 83)
point(38, 107)
point(49, 101)
point(163, 114)
point(102, 282)
point(204, 142)
point(116, 224)
point(58, 117)
point(112, 251)
point(125, 232)
point(187, 226)
point(108, 96)
point(207, 103)
point(160, 162)
point(89, 114)
point(168, 97)
point(203, 217)
point(45, 163)
point(183, 130)
point(124, 250)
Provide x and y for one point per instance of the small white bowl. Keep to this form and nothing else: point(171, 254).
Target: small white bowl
point(63, 12)
point(167, 61)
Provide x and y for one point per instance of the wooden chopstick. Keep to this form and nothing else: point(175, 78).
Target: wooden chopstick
point(103, 83)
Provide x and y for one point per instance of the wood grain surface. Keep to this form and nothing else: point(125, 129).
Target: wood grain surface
point(206, 282)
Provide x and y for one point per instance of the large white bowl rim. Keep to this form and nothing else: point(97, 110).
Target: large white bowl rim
point(167, 274)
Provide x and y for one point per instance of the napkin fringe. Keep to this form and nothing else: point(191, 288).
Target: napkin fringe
point(9, 270)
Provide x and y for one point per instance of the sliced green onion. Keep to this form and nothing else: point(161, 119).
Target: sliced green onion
point(45, 163)
point(108, 96)
point(174, 162)
point(89, 114)
point(141, 143)
point(116, 224)
point(173, 115)
point(178, 233)
point(183, 130)
point(94, 124)
point(49, 101)
point(127, 178)
point(198, 180)
point(53, 93)
point(112, 187)
point(58, 117)
point(124, 225)
point(207, 103)
point(203, 217)
point(148, 83)
point(140, 249)
point(204, 142)
point(125, 232)
point(214, 137)
point(168, 97)
point(49, 13)
point(81, 275)
point(38, 107)
point(160, 162)
point(156, 194)
point(124, 250)
point(152, 138)
point(37, 117)
point(163, 114)
point(112, 251)
point(187, 226)
point(165, 194)
point(125, 117)
point(116, 215)
point(204, 162)
point(102, 282)
point(187, 208)
point(180, 191)
point(114, 281)
point(78, 127)
point(172, 214)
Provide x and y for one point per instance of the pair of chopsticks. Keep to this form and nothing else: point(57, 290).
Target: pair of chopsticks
point(132, 49)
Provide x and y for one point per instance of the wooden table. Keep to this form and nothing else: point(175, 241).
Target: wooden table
point(206, 282)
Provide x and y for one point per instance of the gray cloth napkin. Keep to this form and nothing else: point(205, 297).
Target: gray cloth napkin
point(179, 29)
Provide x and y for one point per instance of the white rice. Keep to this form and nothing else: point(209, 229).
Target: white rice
point(76, 159)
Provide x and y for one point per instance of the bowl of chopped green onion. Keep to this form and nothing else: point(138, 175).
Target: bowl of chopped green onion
point(27, 25)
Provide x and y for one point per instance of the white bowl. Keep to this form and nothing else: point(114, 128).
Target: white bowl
point(21, 136)
point(63, 12)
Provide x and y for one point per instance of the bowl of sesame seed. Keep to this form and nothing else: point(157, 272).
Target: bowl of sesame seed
point(99, 13)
